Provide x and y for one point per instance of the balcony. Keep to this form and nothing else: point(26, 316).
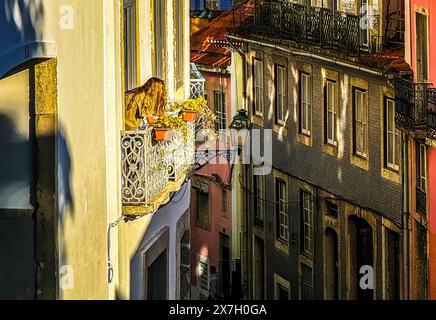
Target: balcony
point(197, 82)
point(320, 26)
point(416, 107)
point(151, 171)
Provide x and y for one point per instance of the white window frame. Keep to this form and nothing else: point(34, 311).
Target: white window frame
point(160, 40)
point(219, 99)
point(283, 227)
point(360, 118)
point(212, 4)
point(280, 93)
point(180, 44)
point(422, 170)
point(307, 221)
point(331, 112)
point(130, 45)
point(305, 103)
point(392, 136)
point(258, 86)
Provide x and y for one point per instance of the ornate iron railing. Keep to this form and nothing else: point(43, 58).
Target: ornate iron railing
point(147, 166)
point(415, 106)
point(197, 82)
point(324, 27)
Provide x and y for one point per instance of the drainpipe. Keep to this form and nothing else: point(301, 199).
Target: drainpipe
point(244, 239)
point(406, 219)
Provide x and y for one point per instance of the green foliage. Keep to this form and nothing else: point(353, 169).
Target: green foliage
point(170, 121)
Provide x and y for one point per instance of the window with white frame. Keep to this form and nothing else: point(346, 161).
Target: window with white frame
point(220, 109)
point(422, 167)
point(212, 4)
point(179, 31)
point(330, 112)
point(305, 103)
point(360, 116)
point(281, 211)
point(258, 86)
point(392, 136)
point(280, 89)
point(306, 223)
point(258, 199)
point(130, 54)
point(203, 274)
point(159, 32)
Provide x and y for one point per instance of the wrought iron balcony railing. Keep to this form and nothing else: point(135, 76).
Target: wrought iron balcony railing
point(320, 26)
point(197, 82)
point(416, 106)
point(151, 170)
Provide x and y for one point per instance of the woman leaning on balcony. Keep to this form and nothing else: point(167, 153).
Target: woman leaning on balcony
point(147, 100)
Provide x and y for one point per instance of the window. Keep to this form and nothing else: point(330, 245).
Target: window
point(258, 200)
point(305, 104)
point(202, 218)
point(392, 137)
point(365, 18)
point(179, 31)
point(281, 212)
point(130, 53)
point(306, 225)
point(159, 38)
point(280, 88)
point(203, 274)
point(422, 167)
point(220, 109)
point(330, 112)
point(421, 42)
point(332, 209)
point(281, 288)
point(282, 292)
point(224, 200)
point(258, 86)
point(306, 283)
point(360, 114)
point(212, 4)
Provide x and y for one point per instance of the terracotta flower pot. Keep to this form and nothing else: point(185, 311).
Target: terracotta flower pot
point(189, 115)
point(151, 120)
point(162, 134)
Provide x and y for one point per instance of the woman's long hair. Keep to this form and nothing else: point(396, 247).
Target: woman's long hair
point(149, 99)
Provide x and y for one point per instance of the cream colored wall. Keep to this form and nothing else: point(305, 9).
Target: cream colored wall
point(90, 101)
point(14, 109)
point(83, 112)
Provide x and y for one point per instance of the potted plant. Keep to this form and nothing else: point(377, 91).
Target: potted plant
point(166, 123)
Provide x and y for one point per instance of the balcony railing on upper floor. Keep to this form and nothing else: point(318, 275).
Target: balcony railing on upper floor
point(151, 170)
point(320, 26)
point(197, 82)
point(416, 107)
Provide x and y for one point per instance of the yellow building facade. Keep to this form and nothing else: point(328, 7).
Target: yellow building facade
point(63, 76)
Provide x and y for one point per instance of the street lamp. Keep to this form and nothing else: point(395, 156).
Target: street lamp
point(240, 129)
